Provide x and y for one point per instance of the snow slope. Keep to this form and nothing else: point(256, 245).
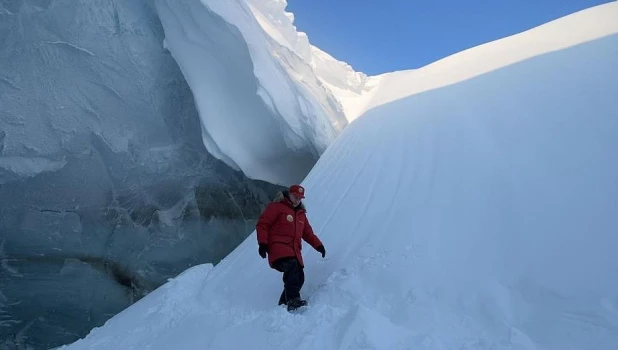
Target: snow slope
point(480, 215)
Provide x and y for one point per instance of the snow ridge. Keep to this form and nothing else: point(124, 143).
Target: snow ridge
point(339, 78)
point(583, 26)
point(359, 93)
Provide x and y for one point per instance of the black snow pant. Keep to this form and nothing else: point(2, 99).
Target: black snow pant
point(293, 278)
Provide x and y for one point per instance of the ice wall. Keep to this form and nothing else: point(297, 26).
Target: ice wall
point(106, 188)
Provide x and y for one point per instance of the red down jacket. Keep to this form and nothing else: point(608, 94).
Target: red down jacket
point(282, 227)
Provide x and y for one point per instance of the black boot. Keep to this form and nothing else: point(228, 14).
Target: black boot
point(293, 279)
point(296, 303)
point(282, 300)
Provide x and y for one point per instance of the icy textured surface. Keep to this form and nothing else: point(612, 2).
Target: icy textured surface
point(106, 188)
point(480, 215)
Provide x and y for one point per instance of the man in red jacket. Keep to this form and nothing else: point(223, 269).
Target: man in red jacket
point(280, 229)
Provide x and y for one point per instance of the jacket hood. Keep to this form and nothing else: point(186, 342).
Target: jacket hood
point(284, 196)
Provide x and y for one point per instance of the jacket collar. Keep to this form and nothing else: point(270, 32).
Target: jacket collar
point(284, 198)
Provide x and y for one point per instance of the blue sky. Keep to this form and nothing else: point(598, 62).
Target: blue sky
point(383, 36)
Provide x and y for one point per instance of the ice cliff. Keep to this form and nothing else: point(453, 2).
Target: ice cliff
point(138, 138)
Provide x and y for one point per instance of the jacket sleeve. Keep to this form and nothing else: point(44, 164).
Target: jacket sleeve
point(265, 222)
point(310, 237)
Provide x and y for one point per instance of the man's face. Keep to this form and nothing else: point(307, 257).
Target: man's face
point(294, 199)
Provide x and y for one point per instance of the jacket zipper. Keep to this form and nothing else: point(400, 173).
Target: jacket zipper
point(295, 234)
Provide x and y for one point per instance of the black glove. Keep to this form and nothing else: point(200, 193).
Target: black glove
point(263, 250)
point(321, 250)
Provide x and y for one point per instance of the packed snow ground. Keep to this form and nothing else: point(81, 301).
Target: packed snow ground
point(480, 215)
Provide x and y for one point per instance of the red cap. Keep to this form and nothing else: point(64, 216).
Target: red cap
point(298, 191)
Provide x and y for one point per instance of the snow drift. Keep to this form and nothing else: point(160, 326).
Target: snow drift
point(479, 215)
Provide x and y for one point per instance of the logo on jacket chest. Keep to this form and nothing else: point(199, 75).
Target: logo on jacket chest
point(290, 218)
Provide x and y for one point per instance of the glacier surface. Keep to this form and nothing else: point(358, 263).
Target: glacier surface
point(124, 124)
point(494, 240)
point(477, 215)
